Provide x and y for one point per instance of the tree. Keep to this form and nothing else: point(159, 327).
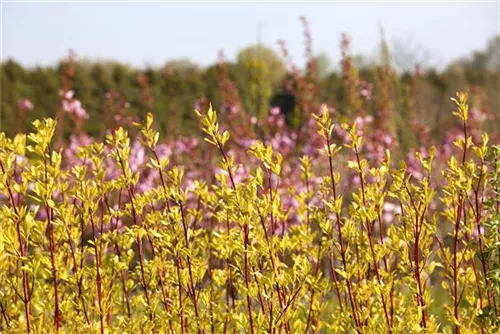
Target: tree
point(275, 67)
point(323, 66)
point(408, 53)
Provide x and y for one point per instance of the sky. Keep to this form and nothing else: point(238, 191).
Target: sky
point(150, 34)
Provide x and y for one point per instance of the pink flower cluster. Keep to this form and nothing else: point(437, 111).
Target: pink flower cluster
point(25, 105)
point(365, 90)
point(194, 157)
point(73, 106)
point(389, 212)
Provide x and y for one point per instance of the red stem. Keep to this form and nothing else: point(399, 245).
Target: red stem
point(22, 250)
point(52, 247)
point(193, 291)
point(245, 241)
point(98, 271)
point(177, 256)
point(138, 240)
point(119, 254)
point(370, 238)
point(341, 240)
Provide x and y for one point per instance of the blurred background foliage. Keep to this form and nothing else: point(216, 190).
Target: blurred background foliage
point(398, 86)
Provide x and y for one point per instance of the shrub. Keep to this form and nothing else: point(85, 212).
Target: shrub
point(117, 236)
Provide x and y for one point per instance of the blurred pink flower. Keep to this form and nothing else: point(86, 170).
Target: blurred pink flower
point(75, 143)
point(476, 230)
point(68, 95)
point(387, 139)
point(75, 108)
point(25, 105)
point(275, 111)
point(365, 89)
point(388, 217)
point(390, 210)
point(478, 115)
point(20, 159)
point(389, 207)
point(137, 156)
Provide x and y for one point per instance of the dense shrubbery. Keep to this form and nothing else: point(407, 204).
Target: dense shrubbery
point(258, 79)
point(314, 229)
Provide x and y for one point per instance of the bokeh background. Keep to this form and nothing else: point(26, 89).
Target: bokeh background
point(129, 58)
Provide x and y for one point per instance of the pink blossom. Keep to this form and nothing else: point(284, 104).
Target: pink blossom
point(389, 207)
point(478, 115)
point(246, 142)
point(387, 139)
point(164, 150)
point(388, 217)
point(75, 108)
point(359, 121)
point(68, 95)
point(365, 89)
point(275, 111)
point(276, 120)
point(20, 159)
point(75, 142)
point(25, 105)
point(230, 108)
point(146, 182)
point(241, 173)
point(476, 232)
point(234, 109)
point(137, 156)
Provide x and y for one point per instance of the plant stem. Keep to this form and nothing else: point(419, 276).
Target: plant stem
point(75, 272)
point(245, 241)
point(138, 239)
point(119, 254)
point(52, 247)
point(419, 219)
point(459, 210)
point(177, 256)
point(5, 316)
point(23, 252)
point(193, 291)
point(311, 289)
point(477, 210)
point(341, 239)
point(98, 271)
point(370, 239)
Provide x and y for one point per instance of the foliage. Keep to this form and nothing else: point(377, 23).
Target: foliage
point(375, 212)
point(318, 233)
point(261, 79)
